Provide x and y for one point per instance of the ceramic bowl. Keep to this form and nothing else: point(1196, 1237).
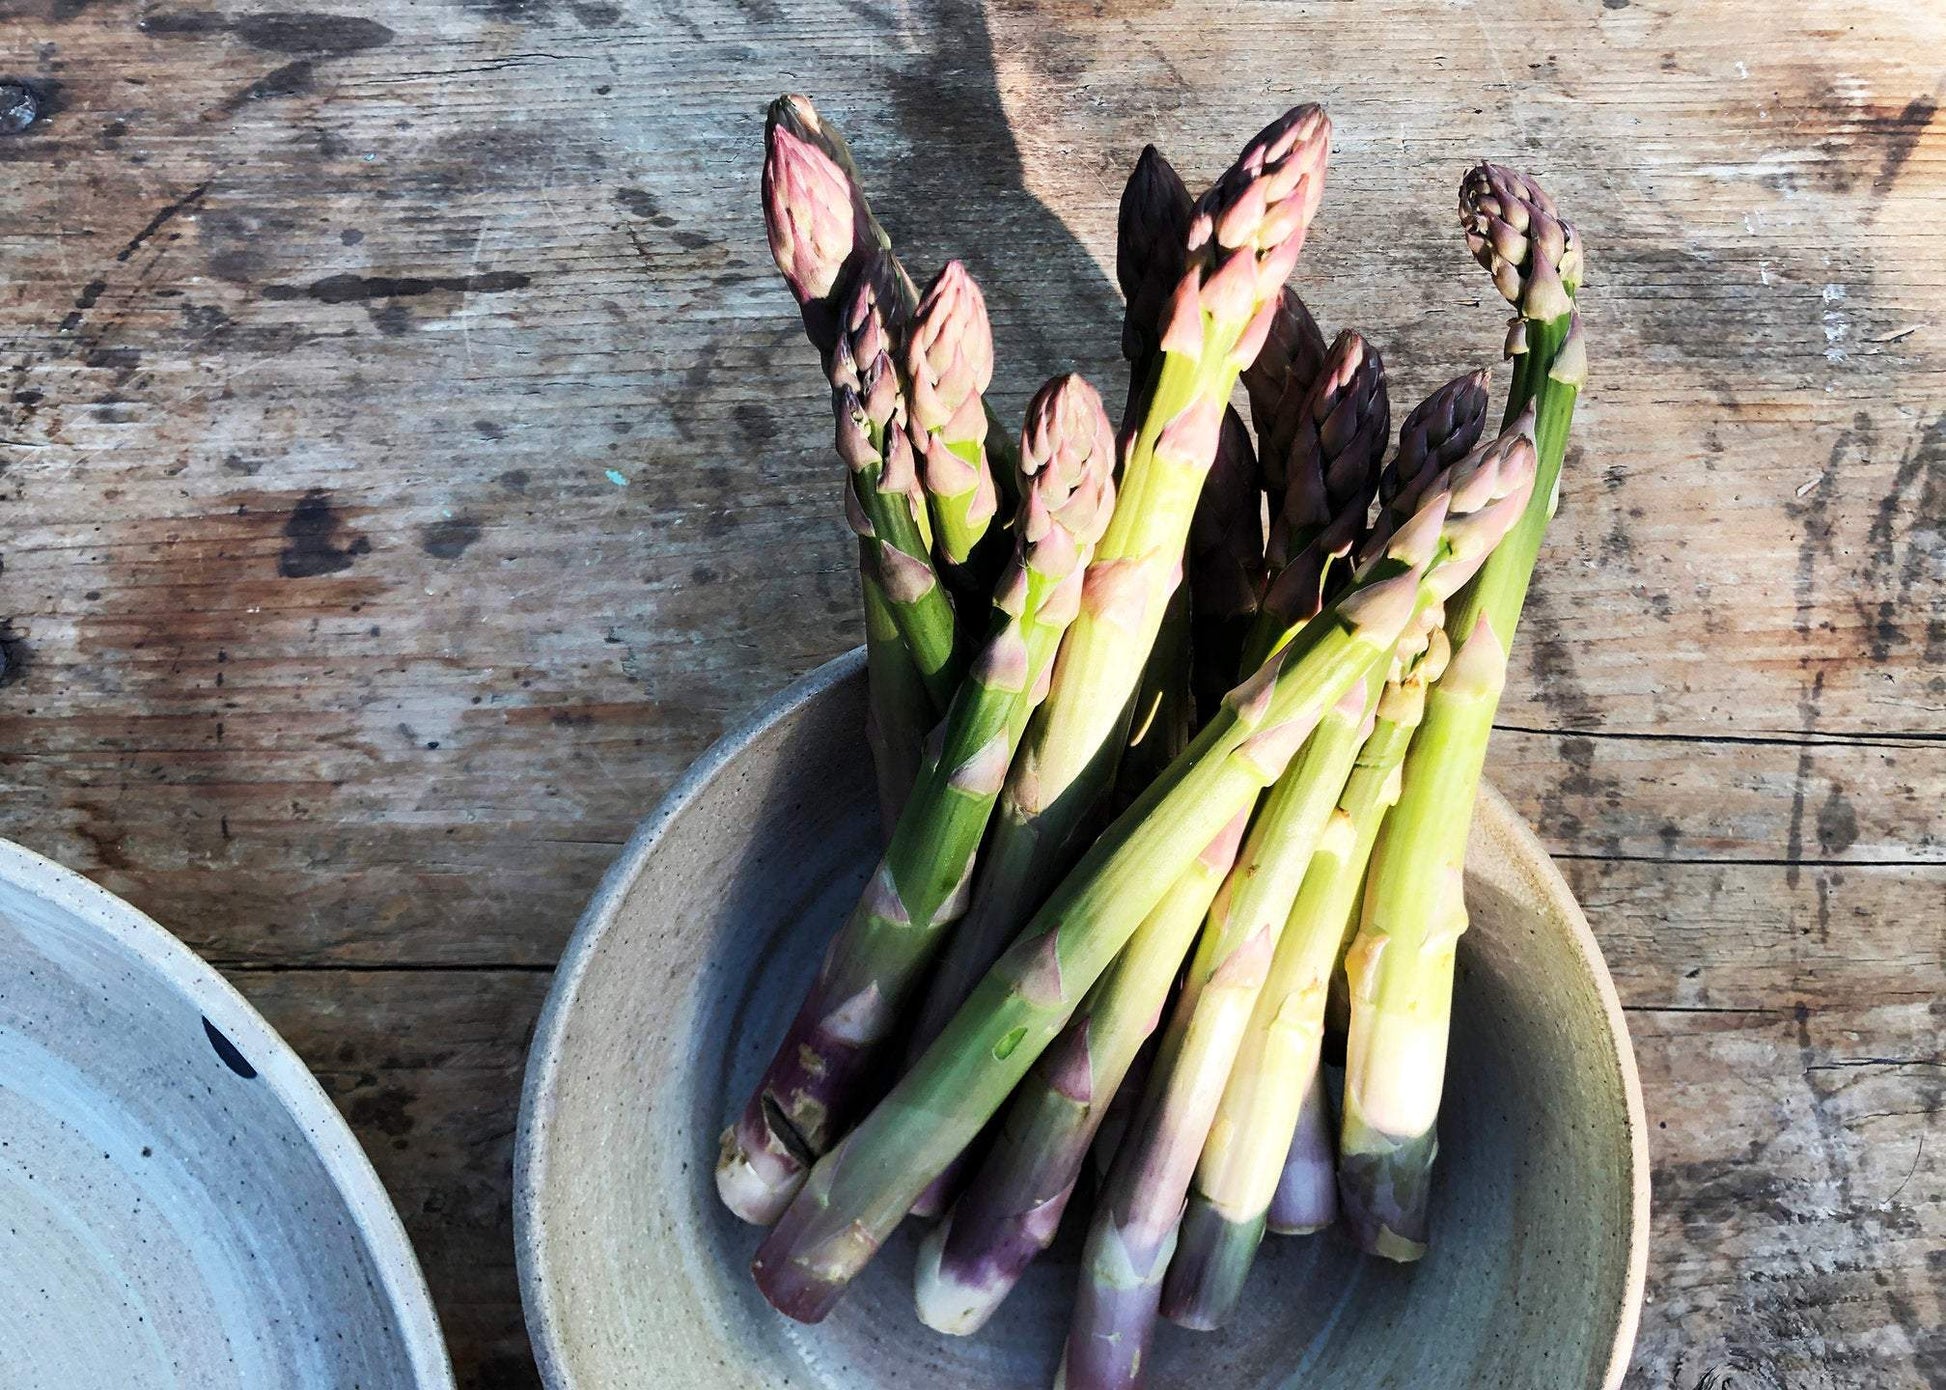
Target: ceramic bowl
point(693, 955)
point(180, 1203)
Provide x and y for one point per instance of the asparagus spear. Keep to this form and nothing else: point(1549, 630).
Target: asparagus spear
point(1151, 238)
point(1133, 1234)
point(948, 366)
point(1329, 476)
point(1245, 235)
point(821, 230)
point(858, 1192)
point(1257, 1124)
point(1010, 1211)
point(821, 233)
point(1225, 566)
point(1400, 967)
point(885, 505)
point(1278, 381)
point(813, 1083)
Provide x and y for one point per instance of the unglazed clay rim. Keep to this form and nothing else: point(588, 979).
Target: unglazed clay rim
point(402, 1285)
point(544, 1058)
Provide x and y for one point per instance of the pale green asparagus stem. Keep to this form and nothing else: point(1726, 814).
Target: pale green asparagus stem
point(1400, 967)
point(1244, 238)
point(822, 1070)
point(1277, 1063)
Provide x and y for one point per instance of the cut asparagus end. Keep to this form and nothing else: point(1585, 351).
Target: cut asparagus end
point(756, 1182)
point(945, 1302)
point(1214, 1253)
point(1306, 1199)
point(1384, 1188)
point(1114, 1315)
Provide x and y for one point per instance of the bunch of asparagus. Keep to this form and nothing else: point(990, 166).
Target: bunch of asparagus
point(1177, 729)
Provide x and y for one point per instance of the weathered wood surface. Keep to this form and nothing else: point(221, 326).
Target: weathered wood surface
point(411, 463)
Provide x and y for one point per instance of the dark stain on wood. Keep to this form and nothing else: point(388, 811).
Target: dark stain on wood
point(294, 32)
point(163, 217)
point(449, 538)
point(293, 79)
point(313, 531)
point(355, 289)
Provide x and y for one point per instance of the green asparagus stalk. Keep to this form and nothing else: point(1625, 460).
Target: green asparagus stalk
point(858, 1192)
point(1278, 381)
point(948, 366)
point(1400, 966)
point(1245, 235)
point(1329, 476)
point(814, 1083)
point(1256, 1125)
point(1225, 564)
point(884, 503)
point(1009, 1212)
point(1133, 1237)
point(897, 710)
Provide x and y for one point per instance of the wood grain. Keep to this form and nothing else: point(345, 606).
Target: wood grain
point(411, 463)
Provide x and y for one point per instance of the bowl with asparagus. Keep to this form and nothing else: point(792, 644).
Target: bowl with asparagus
point(1118, 973)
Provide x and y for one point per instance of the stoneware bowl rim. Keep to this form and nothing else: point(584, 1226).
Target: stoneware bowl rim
point(374, 1219)
point(544, 1057)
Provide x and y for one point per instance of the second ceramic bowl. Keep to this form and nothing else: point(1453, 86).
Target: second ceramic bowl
point(691, 959)
point(180, 1203)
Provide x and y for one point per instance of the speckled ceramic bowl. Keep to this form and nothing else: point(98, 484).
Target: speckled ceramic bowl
point(180, 1204)
point(690, 960)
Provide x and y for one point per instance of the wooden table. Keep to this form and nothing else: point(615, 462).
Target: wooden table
point(412, 461)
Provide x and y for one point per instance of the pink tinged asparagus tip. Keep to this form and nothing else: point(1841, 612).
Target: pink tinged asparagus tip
point(808, 213)
point(1518, 237)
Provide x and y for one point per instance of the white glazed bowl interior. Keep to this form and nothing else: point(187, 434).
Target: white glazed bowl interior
point(691, 960)
point(180, 1204)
